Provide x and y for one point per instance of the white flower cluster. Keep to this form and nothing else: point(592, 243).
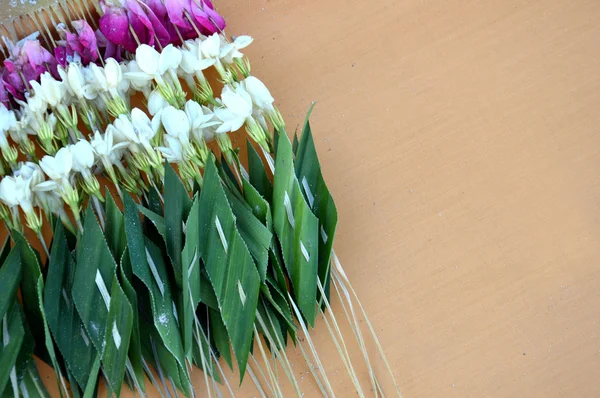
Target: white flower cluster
point(134, 144)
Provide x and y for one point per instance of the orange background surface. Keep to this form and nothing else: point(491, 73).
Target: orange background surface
point(460, 139)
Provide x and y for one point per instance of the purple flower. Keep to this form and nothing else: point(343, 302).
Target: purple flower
point(117, 19)
point(83, 43)
point(27, 61)
point(205, 14)
point(204, 17)
point(4, 98)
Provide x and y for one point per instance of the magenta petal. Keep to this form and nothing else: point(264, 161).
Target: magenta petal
point(210, 20)
point(215, 17)
point(60, 53)
point(176, 9)
point(13, 84)
point(114, 25)
point(4, 98)
point(162, 34)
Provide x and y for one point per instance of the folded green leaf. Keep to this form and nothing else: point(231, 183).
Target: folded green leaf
point(297, 229)
point(308, 172)
point(12, 333)
point(229, 266)
point(64, 321)
point(10, 277)
point(177, 208)
point(93, 278)
point(116, 347)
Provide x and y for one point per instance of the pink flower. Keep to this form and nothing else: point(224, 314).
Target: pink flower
point(27, 61)
point(83, 42)
point(117, 19)
point(4, 98)
point(203, 16)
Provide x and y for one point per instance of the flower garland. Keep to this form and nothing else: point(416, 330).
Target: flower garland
point(197, 257)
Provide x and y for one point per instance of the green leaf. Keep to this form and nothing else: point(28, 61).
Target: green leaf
point(29, 277)
point(12, 334)
point(255, 234)
point(119, 325)
point(177, 208)
point(114, 229)
point(6, 249)
point(190, 276)
point(156, 219)
point(297, 229)
point(220, 337)
point(229, 266)
point(48, 338)
point(135, 346)
point(10, 277)
point(308, 172)
point(93, 277)
point(91, 387)
point(258, 175)
point(63, 319)
point(154, 275)
point(32, 382)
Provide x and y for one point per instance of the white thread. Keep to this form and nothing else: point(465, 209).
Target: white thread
point(64, 294)
point(324, 235)
point(175, 313)
point(221, 234)
point(191, 267)
point(116, 335)
point(102, 287)
point(5, 335)
point(241, 292)
point(154, 271)
point(309, 195)
point(304, 252)
point(84, 336)
point(288, 208)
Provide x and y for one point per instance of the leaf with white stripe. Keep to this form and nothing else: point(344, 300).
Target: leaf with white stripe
point(155, 278)
point(297, 229)
point(64, 321)
point(118, 334)
point(308, 170)
point(226, 268)
point(95, 267)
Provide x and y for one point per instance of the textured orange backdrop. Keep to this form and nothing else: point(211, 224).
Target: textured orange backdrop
point(460, 139)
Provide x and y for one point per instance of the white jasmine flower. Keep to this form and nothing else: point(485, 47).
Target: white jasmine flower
point(113, 73)
point(36, 102)
point(156, 64)
point(176, 124)
point(173, 153)
point(230, 51)
point(52, 90)
point(210, 48)
point(125, 128)
point(96, 78)
point(124, 85)
point(16, 191)
point(139, 80)
point(200, 118)
point(105, 147)
point(156, 102)
point(76, 80)
point(237, 108)
point(30, 172)
point(8, 121)
point(83, 156)
point(146, 129)
point(260, 94)
point(59, 166)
